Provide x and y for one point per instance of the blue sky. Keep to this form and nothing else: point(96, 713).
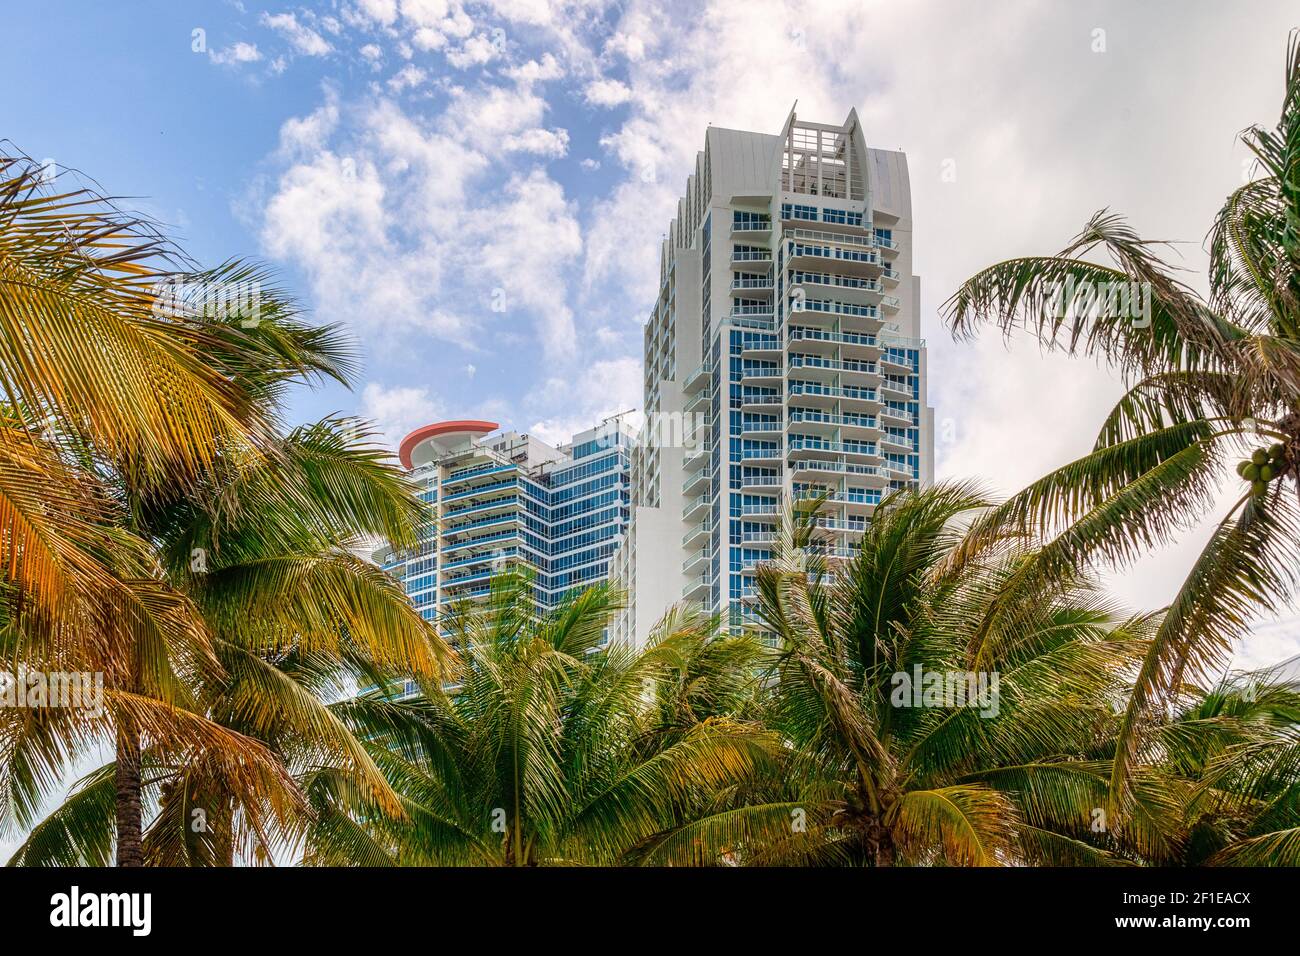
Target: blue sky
point(476, 190)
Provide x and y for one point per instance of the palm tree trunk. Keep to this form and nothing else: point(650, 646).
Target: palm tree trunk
point(126, 778)
point(130, 843)
point(880, 843)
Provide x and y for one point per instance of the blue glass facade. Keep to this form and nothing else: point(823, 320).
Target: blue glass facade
point(560, 512)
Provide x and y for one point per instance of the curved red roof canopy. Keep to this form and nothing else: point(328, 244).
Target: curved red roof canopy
point(440, 428)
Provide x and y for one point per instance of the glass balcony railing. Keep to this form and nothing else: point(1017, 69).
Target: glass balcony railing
point(833, 391)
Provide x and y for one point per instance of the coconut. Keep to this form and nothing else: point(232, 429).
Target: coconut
point(1250, 472)
point(1257, 488)
point(1277, 451)
point(1266, 473)
point(1241, 468)
point(1260, 457)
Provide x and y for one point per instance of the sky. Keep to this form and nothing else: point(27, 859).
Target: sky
point(476, 191)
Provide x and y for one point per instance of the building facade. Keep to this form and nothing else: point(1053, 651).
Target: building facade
point(783, 358)
point(497, 501)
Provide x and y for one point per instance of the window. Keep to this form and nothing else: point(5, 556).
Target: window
point(798, 211)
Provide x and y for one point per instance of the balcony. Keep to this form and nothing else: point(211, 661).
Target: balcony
point(821, 423)
point(696, 562)
point(807, 250)
point(823, 396)
point(753, 317)
point(697, 380)
point(760, 482)
point(697, 535)
point(697, 507)
point(756, 512)
point(841, 527)
point(861, 345)
point(810, 469)
point(761, 350)
point(473, 594)
point(861, 502)
point(696, 588)
point(894, 366)
point(751, 258)
point(742, 285)
point(897, 417)
point(760, 374)
point(760, 428)
point(475, 491)
point(472, 477)
point(482, 558)
point(469, 545)
point(897, 391)
point(759, 456)
point(860, 290)
point(699, 402)
point(755, 229)
point(766, 401)
point(834, 313)
point(820, 447)
point(696, 455)
point(897, 445)
point(697, 479)
point(449, 531)
point(450, 515)
point(829, 369)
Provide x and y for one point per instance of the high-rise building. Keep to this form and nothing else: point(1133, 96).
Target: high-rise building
point(506, 499)
point(783, 358)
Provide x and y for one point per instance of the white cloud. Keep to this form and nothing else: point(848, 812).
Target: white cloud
point(629, 44)
point(528, 243)
point(239, 52)
point(475, 51)
point(383, 12)
point(408, 77)
point(607, 93)
point(547, 68)
point(379, 214)
point(305, 135)
point(543, 142)
point(427, 38)
point(398, 410)
point(434, 22)
point(303, 38)
point(487, 116)
point(608, 387)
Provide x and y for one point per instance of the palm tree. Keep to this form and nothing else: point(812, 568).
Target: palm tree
point(214, 583)
point(549, 747)
point(87, 360)
point(877, 772)
point(1209, 380)
point(1238, 744)
point(292, 616)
